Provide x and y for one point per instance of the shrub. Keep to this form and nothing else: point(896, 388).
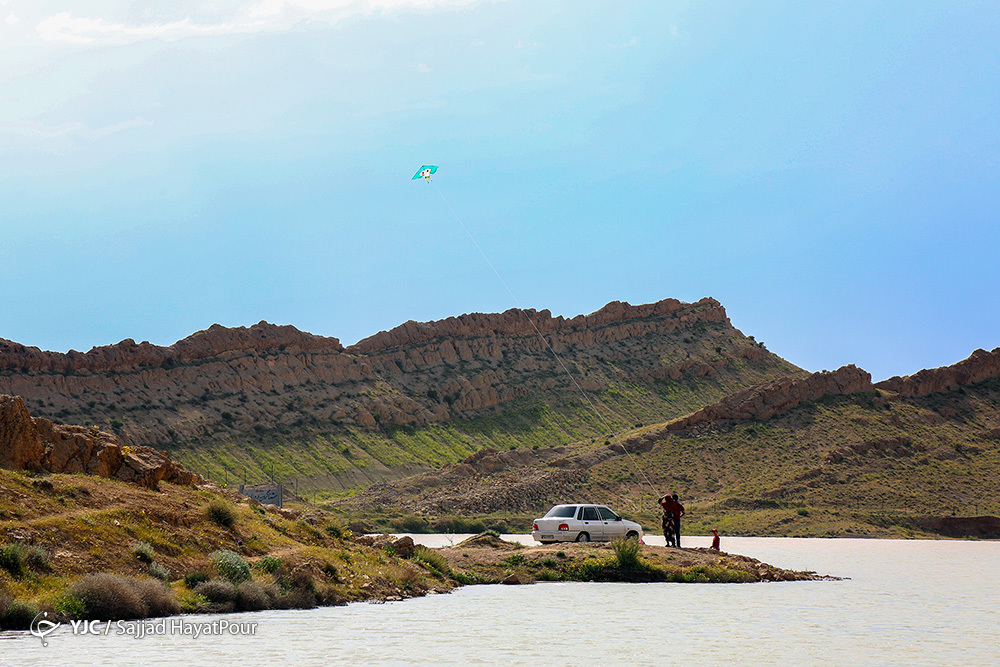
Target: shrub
point(334, 529)
point(143, 551)
point(252, 596)
point(802, 511)
point(431, 560)
point(269, 564)
point(107, 596)
point(157, 596)
point(231, 566)
point(16, 615)
point(159, 571)
point(627, 554)
point(13, 560)
point(192, 579)
point(36, 557)
point(297, 598)
point(222, 513)
point(514, 559)
point(216, 590)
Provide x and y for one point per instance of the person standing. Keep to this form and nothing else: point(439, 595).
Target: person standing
point(666, 503)
point(715, 539)
point(672, 513)
point(678, 512)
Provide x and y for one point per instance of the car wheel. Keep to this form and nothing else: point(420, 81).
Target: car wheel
point(583, 537)
point(632, 535)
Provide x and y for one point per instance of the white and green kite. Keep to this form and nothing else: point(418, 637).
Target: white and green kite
point(425, 172)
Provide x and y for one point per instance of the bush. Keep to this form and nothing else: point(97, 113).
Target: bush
point(192, 579)
point(16, 615)
point(269, 564)
point(627, 554)
point(19, 558)
point(222, 513)
point(157, 596)
point(12, 559)
point(334, 529)
point(252, 596)
point(107, 596)
point(431, 560)
point(216, 590)
point(159, 571)
point(36, 557)
point(143, 551)
point(231, 566)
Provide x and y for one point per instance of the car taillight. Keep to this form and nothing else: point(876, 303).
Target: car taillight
point(534, 526)
point(564, 526)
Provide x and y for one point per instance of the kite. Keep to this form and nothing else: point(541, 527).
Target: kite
point(425, 172)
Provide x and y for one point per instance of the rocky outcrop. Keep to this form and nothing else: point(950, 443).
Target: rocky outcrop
point(768, 399)
point(20, 446)
point(225, 383)
point(981, 365)
point(129, 355)
point(28, 443)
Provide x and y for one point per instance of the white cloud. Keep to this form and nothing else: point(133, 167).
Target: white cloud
point(259, 16)
point(64, 27)
point(70, 131)
point(423, 68)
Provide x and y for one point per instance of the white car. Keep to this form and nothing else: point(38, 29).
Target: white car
point(583, 523)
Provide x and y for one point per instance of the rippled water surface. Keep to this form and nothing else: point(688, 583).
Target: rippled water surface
point(906, 602)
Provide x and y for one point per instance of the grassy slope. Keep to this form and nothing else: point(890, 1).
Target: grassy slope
point(342, 459)
point(90, 524)
point(773, 477)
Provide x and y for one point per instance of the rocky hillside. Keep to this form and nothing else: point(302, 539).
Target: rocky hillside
point(36, 444)
point(272, 399)
point(829, 454)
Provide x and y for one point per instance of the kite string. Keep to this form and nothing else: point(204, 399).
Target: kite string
point(548, 346)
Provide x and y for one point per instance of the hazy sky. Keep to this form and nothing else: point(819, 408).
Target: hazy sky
point(828, 171)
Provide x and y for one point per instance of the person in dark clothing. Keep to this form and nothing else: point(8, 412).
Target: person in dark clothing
point(668, 528)
point(672, 513)
point(715, 539)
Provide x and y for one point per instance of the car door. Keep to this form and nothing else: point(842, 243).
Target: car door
point(591, 523)
point(614, 527)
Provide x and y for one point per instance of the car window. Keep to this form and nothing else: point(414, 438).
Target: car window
point(588, 514)
point(607, 514)
point(562, 512)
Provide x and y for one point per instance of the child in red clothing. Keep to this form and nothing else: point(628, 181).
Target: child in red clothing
point(715, 539)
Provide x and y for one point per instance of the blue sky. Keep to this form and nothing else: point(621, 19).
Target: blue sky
point(828, 171)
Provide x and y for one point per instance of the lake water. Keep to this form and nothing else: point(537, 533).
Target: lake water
point(909, 602)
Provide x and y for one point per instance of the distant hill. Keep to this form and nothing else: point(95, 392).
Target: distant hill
point(235, 403)
point(828, 454)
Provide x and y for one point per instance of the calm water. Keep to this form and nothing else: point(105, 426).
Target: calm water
point(907, 603)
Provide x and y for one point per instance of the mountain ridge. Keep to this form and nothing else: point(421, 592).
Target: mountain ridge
point(251, 391)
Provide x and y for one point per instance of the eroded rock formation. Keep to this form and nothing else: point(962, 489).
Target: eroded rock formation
point(28, 443)
point(981, 365)
point(765, 400)
point(230, 383)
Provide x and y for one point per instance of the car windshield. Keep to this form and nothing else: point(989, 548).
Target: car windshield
point(562, 512)
point(607, 514)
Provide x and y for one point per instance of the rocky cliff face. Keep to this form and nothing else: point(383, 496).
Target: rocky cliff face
point(777, 396)
point(234, 383)
point(981, 365)
point(28, 443)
